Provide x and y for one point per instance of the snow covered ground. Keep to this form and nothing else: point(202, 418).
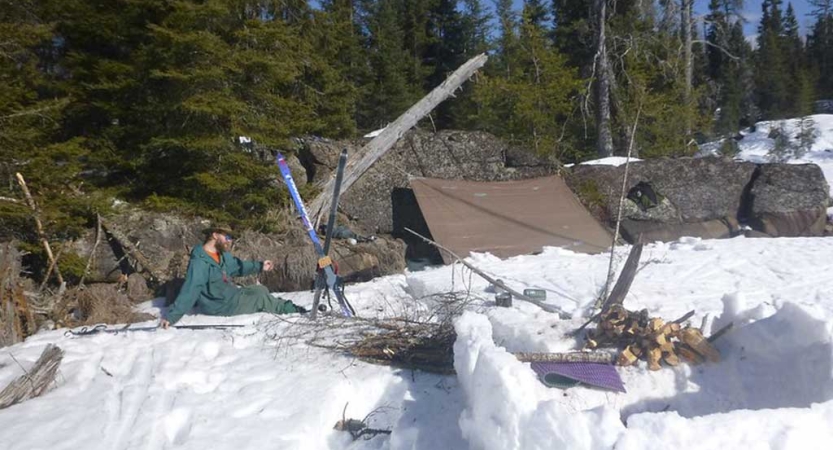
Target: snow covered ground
point(261, 386)
point(243, 388)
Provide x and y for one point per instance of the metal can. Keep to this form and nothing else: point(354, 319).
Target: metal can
point(537, 294)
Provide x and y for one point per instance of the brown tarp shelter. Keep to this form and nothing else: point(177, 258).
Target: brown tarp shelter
point(507, 218)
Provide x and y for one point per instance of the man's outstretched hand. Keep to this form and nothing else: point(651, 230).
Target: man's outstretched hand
point(267, 266)
point(164, 324)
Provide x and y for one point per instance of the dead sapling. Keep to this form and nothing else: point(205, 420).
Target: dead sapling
point(358, 428)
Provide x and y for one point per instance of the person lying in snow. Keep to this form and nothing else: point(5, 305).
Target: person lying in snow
point(208, 283)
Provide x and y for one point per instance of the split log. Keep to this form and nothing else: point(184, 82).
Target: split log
point(584, 357)
point(493, 281)
point(41, 234)
point(623, 283)
point(36, 381)
point(382, 143)
point(149, 269)
point(620, 289)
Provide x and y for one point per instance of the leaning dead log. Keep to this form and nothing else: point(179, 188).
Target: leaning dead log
point(145, 266)
point(382, 143)
point(493, 281)
point(36, 381)
point(41, 234)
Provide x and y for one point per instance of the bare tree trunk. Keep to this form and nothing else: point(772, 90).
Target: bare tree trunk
point(619, 110)
point(41, 234)
point(382, 143)
point(685, 27)
point(585, 357)
point(604, 141)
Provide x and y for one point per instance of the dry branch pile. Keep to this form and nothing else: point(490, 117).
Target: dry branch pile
point(651, 339)
point(426, 346)
point(97, 303)
point(422, 346)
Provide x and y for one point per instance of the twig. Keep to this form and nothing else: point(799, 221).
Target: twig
point(621, 204)
point(95, 247)
point(52, 266)
point(31, 202)
point(685, 317)
point(498, 283)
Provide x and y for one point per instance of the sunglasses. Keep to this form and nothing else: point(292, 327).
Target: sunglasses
point(229, 237)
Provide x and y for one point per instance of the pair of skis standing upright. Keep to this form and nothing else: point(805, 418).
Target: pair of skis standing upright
point(327, 277)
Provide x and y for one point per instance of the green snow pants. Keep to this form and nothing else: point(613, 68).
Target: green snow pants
point(256, 298)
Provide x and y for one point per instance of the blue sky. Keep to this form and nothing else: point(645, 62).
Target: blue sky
point(751, 12)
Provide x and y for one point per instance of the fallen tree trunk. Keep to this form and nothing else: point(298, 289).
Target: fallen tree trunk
point(382, 143)
point(584, 357)
point(36, 381)
point(156, 277)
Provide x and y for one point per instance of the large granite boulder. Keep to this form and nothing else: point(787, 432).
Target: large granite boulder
point(166, 241)
point(789, 200)
point(448, 154)
point(708, 197)
point(700, 189)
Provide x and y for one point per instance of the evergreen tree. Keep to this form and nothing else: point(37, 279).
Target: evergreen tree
point(444, 52)
point(820, 47)
point(390, 91)
point(476, 28)
point(572, 32)
point(475, 40)
point(796, 63)
point(535, 13)
point(414, 21)
point(728, 67)
point(771, 72)
point(507, 41)
point(532, 104)
point(31, 110)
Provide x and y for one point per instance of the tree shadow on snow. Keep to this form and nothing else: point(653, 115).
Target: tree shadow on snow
point(783, 361)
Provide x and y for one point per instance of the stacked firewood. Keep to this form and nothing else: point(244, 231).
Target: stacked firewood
point(651, 339)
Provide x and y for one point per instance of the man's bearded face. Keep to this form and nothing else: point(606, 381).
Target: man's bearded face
point(222, 244)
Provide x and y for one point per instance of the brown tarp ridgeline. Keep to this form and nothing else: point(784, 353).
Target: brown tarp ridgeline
point(507, 218)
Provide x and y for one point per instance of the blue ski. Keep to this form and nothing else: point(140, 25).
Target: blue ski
point(324, 261)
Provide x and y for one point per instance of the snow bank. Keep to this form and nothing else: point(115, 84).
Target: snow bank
point(792, 428)
point(508, 408)
point(609, 161)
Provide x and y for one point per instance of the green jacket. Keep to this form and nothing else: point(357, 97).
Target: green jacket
point(210, 285)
